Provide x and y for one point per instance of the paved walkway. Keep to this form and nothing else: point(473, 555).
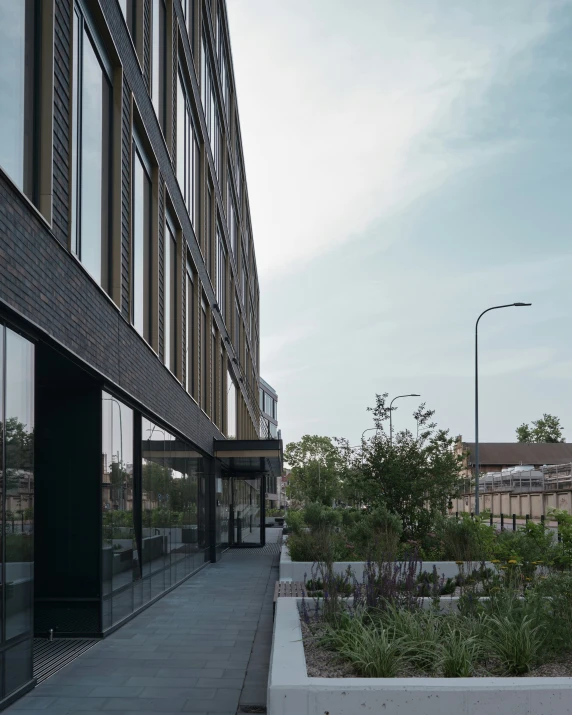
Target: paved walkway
point(202, 648)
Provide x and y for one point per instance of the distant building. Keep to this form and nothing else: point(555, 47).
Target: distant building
point(496, 456)
point(268, 403)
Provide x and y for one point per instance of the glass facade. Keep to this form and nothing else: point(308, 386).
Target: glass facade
point(17, 87)
point(190, 331)
point(231, 413)
point(154, 511)
point(120, 563)
point(188, 155)
point(174, 509)
point(17, 509)
point(170, 297)
point(141, 245)
point(91, 152)
point(158, 60)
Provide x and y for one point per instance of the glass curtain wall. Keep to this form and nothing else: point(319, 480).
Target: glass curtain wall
point(17, 491)
point(173, 509)
point(154, 514)
point(246, 508)
point(121, 568)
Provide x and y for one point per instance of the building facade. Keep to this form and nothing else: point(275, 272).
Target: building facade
point(130, 440)
point(268, 404)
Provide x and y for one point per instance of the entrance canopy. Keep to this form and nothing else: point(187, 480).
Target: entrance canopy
point(250, 456)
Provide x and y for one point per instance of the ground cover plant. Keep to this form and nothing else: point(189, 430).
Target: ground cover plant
point(385, 630)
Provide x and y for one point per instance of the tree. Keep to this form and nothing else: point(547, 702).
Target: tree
point(546, 429)
point(414, 477)
point(315, 464)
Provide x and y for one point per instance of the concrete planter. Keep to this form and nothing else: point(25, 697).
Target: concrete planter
point(292, 692)
point(298, 570)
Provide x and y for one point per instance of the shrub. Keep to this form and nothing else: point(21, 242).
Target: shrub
point(465, 539)
point(295, 521)
point(377, 532)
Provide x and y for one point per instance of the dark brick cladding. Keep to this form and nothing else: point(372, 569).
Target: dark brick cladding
point(46, 285)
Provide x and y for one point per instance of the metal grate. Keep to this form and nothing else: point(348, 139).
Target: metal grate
point(51, 656)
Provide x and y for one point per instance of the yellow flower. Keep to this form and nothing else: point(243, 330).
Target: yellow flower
point(528, 579)
point(503, 567)
point(512, 561)
point(495, 561)
point(459, 562)
point(539, 562)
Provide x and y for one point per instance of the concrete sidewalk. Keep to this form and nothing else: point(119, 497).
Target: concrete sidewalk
point(203, 648)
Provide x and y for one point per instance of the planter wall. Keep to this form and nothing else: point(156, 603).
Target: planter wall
point(299, 570)
point(292, 692)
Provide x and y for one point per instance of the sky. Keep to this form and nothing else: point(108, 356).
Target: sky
point(409, 164)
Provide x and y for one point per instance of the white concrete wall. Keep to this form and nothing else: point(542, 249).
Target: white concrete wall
point(292, 692)
point(302, 570)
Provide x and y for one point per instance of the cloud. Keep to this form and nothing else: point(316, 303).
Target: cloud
point(349, 117)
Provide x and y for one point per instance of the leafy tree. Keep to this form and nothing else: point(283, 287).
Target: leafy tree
point(414, 477)
point(546, 429)
point(315, 469)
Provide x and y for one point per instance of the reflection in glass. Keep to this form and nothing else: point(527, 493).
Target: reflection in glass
point(141, 247)
point(170, 296)
point(91, 126)
point(173, 508)
point(158, 60)
point(120, 559)
point(19, 483)
point(190, 331)
point(231, 407)
point(3, 530)
point(204, 350)
point(17, 90)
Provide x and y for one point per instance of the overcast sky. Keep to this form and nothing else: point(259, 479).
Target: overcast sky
point(409, 164)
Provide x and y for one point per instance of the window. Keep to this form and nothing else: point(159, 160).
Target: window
point(188, 155)
point(221, 276)
point(231, 411)
point(129, 10)
point(18, 89)
point(243, 278)
point(159, 60)
point(210, 109)
point(204, 351)
point(170, 296)
point(141, 242)
point(189, 13)
point(207, 252)
point(236, 326)
point(213, 380)
point(91, 152)
point(190, 331)
point(261, 398)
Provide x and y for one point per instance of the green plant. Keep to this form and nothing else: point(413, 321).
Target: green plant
point(515, 641)
point(373, 651)
point(458, 652)
point(465, 539)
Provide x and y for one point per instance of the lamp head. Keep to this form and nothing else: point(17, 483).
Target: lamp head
point(414, 395)
point(521, 305)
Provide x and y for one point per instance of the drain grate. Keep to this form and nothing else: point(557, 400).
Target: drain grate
point(253, 708)
point(51, 656)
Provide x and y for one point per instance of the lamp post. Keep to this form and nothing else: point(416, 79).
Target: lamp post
point(390, 414)
point(495, 307)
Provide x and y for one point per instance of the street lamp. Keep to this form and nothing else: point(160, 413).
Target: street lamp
point(390, 414)
point(495, 307)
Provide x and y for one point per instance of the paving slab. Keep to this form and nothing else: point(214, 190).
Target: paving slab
point(203, 648)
